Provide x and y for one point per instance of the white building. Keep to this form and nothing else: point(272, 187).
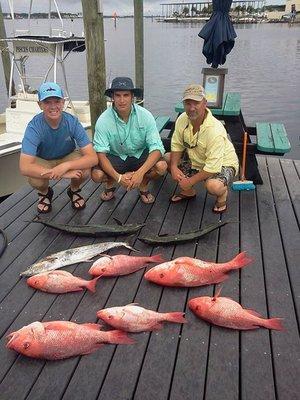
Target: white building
point(288, 5)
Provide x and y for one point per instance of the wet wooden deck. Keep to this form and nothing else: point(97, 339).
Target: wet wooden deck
point(194, 361)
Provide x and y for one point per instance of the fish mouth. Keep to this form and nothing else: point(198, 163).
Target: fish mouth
point(10, 338)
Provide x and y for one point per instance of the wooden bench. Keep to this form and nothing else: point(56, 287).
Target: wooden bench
point(162, 122)
point(272, 138)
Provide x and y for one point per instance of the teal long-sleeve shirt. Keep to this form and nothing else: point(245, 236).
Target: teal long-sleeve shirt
point(127, 139)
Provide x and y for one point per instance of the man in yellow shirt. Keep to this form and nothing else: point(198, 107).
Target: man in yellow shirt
point(212, 158)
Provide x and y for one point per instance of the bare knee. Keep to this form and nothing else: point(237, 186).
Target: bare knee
point(161, 167)
point(215, 187)
point(41, 185)
point(98, 175)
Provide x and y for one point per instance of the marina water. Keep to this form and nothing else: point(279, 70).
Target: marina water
point(264, 66)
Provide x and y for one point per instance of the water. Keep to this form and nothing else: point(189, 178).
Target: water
point(263, 66)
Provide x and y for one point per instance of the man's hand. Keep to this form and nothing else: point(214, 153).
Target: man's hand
point(177, 174)
point(135, 181)
point(125, 179)
point(61, 171)
point(185, 183)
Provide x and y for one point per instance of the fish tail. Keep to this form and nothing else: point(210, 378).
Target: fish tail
point(120, 337)
point(176, 317)
point(274, 323)
point(240, 261)
point(91, 285)
point(157, 258)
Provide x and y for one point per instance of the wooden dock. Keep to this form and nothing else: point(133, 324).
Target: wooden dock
point(189, 362)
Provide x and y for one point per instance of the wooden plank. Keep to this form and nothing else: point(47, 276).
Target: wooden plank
point(161, 122)
point(232, 105)
point(223, 352)
point(281, 141)
point(265, 141)
point(13, 199)
point(291, 170)
point(189, 369)
point(288, 224)
point(285, 345)
point(255, 346)
point(272, 138)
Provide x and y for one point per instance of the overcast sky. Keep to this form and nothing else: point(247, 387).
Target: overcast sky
point(109, 6)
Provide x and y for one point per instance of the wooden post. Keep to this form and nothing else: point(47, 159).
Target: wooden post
point(95, 54)
point(139, 43)
point(5, 54)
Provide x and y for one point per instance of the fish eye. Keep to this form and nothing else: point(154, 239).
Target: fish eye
point(110, 317)
point(161, 275)
point(196, 308)
point(103, 269)
point(26, 345)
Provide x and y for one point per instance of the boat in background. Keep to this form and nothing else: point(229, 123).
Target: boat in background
point(23, 105)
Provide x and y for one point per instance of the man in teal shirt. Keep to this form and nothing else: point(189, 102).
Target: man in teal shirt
point(127, 143)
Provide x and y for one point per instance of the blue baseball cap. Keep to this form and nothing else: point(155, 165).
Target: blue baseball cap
point(50, 89)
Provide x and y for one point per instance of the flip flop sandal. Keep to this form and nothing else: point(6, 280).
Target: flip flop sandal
point(219, 205)
point(146, 194)
point(181, 197)
point(47, 207)
point(106, 192)
point(75, 202)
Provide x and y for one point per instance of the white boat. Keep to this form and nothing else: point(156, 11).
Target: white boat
point(23, 106)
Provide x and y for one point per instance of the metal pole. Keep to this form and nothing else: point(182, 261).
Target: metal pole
point(5, 57)
point(139, 43)
point(95, 53)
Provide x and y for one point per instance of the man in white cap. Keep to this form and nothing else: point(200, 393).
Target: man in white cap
point(49, 149)
point(212, 157)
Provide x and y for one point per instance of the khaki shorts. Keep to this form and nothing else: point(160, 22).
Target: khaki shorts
point(53, 163)
point(39, 183)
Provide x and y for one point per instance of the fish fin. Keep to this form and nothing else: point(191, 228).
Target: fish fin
point(221, 279)
point(56, 272)
point(118, 221)
point(252, 312)
point(217, 294)
point(119, 337)
point(157, 258)
point(106, 255)
point(91, 285)
point(58, 325)
point(96, 327)
point(240, 261)
point(157, 326)
point(274, 323)
point(176, 317)
point(180, 262)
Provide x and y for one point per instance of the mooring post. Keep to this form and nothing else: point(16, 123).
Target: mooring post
point(95, 54)
point(139, 43)
point(5, 54)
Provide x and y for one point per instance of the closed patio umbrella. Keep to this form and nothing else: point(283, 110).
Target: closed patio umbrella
point(218, 34)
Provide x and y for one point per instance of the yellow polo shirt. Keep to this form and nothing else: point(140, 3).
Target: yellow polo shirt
point(213, 148)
